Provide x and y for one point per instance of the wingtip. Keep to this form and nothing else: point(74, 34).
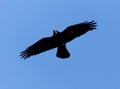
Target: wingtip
point(92, 24)
point(24, 55)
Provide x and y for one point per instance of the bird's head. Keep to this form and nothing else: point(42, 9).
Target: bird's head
point(55, 32)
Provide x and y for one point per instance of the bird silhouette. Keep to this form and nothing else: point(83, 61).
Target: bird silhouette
point(58, 40)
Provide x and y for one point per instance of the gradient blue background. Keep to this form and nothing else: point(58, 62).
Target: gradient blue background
point(95, 56)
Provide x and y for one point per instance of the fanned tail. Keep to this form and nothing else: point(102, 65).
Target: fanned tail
point(62, 52)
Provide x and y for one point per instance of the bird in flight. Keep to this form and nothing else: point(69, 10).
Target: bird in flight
point(58, 40)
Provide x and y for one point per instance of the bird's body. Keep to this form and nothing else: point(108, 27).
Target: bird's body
point(59, 40)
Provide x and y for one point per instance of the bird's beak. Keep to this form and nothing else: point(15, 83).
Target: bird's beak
point(55, 32)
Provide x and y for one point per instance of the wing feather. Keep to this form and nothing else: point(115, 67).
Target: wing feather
point(39, 47)
point(77, 30)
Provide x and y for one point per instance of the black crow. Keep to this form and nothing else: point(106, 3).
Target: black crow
point(59, 40)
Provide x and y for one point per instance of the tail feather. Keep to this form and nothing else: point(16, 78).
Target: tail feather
point(62, 52)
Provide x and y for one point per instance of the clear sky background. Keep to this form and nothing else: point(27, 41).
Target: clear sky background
point(95, 56)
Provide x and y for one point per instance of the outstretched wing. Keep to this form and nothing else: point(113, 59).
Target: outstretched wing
point(39, 47)
point(77, 30)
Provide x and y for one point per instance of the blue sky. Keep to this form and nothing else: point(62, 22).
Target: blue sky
point(95, 56)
